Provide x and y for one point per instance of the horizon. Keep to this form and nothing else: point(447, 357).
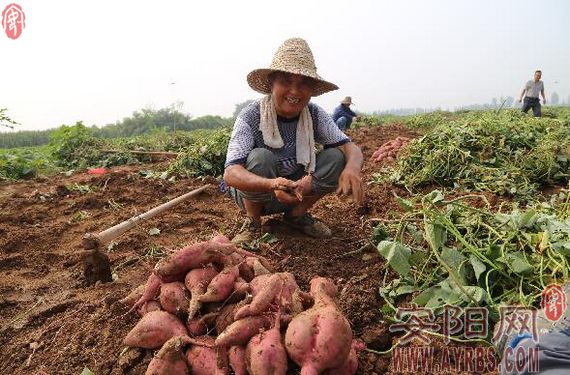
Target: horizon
point(97, 63)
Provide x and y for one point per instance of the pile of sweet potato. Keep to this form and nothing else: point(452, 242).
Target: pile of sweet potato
point(212, 306)
point(387, 151)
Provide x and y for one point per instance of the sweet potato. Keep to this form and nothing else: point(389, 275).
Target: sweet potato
point(350, 365)
point(174, 298)
point(265, 354)
point(280, 289)
point(189, 257)
point(133, 296)
point(200, 326)
point(319, 338)
point(226, 317)
point(148, 307)
point(206, 360)
point(170, 360)
point(154, 329)
point(231, 248)
point(221, 285)
point(251, 268)
point(240, 331)
point(197, 281)
point(262, 300)
point(151, 290)
point(257, 283)
point(236, 355)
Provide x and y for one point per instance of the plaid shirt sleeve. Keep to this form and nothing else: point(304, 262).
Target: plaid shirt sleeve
point(326, 131)
point(241, 143)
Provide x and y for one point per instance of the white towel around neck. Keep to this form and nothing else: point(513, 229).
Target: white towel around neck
point(305, 140)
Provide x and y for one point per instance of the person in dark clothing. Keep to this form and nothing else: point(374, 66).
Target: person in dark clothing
point(530, 92)
point(343, 115)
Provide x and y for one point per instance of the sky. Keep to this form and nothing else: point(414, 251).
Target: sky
point(99, 61)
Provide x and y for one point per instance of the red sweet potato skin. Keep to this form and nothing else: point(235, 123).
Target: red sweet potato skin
point(154, 329)
point(189, 257)
point(221, 286)
point(319, 338)
point(170, 360)
point(265, 354)
point(237, 360)
point(174, 298)
point(151, 290)
point(350, 365)
point(206, 360)
point(240, 331)
point(197, 281)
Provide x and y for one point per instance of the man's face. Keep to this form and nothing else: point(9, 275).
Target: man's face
point(537, 76)
point(291, 93)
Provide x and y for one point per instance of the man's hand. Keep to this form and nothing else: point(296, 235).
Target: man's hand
point(285, 190)
point(520, 100)
point(350, 183)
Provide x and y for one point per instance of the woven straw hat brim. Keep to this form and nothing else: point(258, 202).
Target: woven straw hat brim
point(258, 80)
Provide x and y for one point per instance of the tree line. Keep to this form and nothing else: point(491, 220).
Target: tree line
point(141, 122)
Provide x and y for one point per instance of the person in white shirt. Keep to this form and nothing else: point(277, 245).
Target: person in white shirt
point(530, 94)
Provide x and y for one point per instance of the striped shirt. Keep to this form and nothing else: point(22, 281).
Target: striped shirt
point(246, 136)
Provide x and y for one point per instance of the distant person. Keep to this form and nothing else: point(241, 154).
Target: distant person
point(343, 115)
point(530, 93)
point(271, 164)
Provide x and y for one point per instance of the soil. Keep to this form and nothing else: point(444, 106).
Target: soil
point(53, 323)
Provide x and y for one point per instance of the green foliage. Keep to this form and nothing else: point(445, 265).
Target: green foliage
point(16, 164)
point(74, 146)
point(5, 120)
point(473, 256)
point(505, 153)
point(205, 157)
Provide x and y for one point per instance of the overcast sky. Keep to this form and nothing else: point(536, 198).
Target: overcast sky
point(98, 61)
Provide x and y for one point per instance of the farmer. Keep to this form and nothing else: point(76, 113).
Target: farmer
point(343, 115)
point(271, 164)
point(530, 93)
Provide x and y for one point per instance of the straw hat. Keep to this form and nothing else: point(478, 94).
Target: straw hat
point(347, 100)
point(293, 56)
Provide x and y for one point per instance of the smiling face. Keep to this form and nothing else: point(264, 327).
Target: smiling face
point(290, 93)
point(537, 75)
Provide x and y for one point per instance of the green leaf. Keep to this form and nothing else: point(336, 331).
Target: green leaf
point(397, 256)
point(453, 257)
point(405, 204)
point(517, 263)
point(87, 371)
point(434, 197)
point(436, 235)
point(478, 266)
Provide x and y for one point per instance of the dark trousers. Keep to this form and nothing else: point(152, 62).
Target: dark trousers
point(533, 103)
point(329, 164)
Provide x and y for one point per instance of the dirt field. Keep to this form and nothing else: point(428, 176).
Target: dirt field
point(53, 324)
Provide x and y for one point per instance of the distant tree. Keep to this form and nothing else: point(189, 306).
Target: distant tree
point(509, 101)
point(494, 102)
point(554, 99)
point(5, 120)
point(241, 106)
